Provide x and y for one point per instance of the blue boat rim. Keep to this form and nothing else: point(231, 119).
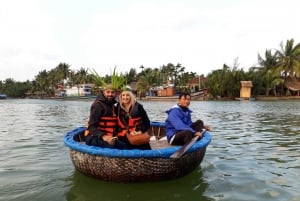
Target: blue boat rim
point(134, 153)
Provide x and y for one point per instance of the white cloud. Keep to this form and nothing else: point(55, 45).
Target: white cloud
point(27, 44)
point(143, 35)
point(201, 35)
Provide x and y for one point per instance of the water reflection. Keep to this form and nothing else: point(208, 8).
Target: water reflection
point(191, 187)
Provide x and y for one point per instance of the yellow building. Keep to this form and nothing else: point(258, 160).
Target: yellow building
point(245, 91)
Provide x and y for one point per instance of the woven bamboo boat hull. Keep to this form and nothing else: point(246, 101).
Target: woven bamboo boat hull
point(133, 165)
point(135, 169)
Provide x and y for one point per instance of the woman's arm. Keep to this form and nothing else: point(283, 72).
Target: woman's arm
point(145, 119)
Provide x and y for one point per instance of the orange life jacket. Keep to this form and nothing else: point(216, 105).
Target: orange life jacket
point(108, 125)
point(132, 124)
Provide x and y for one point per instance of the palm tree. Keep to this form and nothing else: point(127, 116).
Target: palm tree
point(81, 76)
point(142, 67)
point(289, 59)
point(142, 86)
point(41, 81)
point(131, 76)
point(269, 69)
point(149, 76)
point(62, 72)
point(178, 71)
point(216, 87)
point(170, 71)
point(55, 79)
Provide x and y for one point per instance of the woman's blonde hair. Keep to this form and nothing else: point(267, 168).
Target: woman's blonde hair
point(132, 98)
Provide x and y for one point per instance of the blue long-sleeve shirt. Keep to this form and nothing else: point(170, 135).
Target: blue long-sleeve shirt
point(178, 120)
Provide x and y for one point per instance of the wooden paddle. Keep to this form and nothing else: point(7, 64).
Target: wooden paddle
point(186, 146)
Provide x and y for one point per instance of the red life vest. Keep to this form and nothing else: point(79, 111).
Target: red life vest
point(132, 124)
point(108, 125)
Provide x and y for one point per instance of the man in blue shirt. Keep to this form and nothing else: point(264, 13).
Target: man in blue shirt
point(179, 126)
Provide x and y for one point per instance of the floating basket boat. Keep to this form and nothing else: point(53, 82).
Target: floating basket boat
point(134, 165)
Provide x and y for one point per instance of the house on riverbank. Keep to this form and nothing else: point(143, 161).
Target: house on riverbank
point(78, 90)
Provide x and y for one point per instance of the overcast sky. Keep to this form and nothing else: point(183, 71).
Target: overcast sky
point(201, 35)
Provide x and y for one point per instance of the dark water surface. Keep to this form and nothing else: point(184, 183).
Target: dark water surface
point(254, 154)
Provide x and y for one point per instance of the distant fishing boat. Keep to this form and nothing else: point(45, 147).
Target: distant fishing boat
point(3, 96)
point(135, 165)
point(194, 96)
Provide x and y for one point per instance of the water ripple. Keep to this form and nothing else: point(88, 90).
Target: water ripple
point(254, 154)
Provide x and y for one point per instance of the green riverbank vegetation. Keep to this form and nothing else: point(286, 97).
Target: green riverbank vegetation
point(269, 77)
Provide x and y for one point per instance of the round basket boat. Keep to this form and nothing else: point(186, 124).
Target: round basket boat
point(134, 165)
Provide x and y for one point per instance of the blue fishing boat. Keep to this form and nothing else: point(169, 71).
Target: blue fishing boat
point(135, 165)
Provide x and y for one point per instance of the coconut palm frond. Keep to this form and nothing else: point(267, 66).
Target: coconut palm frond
point(97, 78)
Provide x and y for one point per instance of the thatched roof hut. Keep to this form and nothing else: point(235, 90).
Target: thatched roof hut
point(292, 83)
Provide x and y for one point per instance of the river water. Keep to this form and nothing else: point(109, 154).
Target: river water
point(254, 154)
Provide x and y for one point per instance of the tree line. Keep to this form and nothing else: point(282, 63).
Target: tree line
point(268, 77)
point(46, 82)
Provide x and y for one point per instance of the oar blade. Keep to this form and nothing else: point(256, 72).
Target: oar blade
point(186, 147)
